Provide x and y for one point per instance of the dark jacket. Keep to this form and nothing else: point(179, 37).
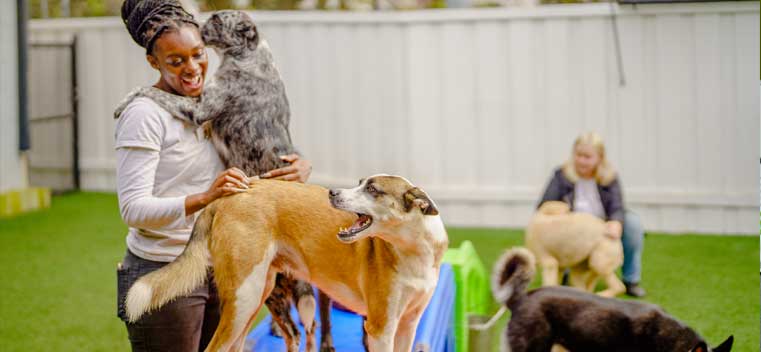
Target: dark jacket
point(562, 189)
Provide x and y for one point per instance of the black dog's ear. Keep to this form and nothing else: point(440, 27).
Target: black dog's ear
point(415, 197)
point(725, 346)
point(701, 347)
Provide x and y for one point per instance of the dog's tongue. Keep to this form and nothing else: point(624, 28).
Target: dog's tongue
point(362, 222)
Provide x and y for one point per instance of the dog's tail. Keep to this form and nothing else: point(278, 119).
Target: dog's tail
point(511, 274)
point(177, 278)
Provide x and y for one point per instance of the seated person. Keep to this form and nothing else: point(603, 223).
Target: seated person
point(589, 184)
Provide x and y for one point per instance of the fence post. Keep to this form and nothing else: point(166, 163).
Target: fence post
point(75, 115)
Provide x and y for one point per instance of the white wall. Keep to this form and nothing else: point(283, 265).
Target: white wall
point(477, 106)
point(12, 167)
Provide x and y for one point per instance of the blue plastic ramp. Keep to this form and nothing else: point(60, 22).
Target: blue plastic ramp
point(435, 332)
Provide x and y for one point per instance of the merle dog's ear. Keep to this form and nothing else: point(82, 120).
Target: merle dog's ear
point(415, 197)
point(247, 29)
point(725, 346)
point(701, 347)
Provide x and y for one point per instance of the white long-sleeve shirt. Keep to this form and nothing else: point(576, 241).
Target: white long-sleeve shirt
point(160, 161)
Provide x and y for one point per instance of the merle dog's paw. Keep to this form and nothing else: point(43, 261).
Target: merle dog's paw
point(275, 330)
point(326, 348)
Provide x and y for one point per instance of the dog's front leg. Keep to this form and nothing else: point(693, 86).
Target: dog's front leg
point(549, 271)
point(615, 286)
point(591, 282)
point(381, 323)
point(405, 333)
point(214, 101)
point(578, 276)
point(383, 313)
point(380, 338)
point(183, 108)
point(126, 101)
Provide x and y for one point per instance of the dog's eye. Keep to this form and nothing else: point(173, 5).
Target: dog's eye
point(371, 189)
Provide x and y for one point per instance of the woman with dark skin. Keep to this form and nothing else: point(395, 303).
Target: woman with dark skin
point(166, 174)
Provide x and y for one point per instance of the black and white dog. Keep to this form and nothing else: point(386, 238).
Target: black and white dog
point(244, 105)
point(580, 321)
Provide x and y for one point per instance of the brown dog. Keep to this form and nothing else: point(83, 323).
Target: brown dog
point(561, 239)
point(384, 263)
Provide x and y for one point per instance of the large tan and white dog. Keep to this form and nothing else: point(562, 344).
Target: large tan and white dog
point(560, 239)
point(383, 263)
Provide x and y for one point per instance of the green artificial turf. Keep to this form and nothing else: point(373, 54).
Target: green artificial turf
point(58, 283)
point(708, 282)
point(58, 277)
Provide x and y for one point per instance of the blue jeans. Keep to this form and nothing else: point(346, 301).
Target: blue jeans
point(633, 241)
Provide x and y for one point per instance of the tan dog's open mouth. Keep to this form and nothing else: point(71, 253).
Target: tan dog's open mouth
point(363, 222)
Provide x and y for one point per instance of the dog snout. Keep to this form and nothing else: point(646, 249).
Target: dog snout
point(334, 199)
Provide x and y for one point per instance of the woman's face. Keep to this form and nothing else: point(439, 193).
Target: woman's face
point(180, 56)
point(585, 160)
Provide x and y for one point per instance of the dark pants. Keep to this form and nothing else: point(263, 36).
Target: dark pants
point(184, 324)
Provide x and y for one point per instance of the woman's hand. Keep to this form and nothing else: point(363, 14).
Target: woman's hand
point(298, 171)
point(613, 229)
point(230, 181)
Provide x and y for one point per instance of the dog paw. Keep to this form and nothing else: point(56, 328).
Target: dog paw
point(207, 129)
point(324, 348)
point(275, 330)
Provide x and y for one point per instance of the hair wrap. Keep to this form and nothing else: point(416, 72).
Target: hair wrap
point(147, 19)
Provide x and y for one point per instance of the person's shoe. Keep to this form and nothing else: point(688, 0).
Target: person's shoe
point(634, 290)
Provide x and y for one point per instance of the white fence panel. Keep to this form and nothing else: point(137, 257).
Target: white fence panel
point(12, 165)
point(478, 106)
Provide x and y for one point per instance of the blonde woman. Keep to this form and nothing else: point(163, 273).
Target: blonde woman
point(589, 184)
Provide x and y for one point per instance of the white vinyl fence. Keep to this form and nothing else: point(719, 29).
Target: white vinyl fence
point(478, 106)
point(12, 165)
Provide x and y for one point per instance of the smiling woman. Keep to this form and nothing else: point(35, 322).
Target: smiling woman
point(180, 55)
point(165, 175)
point(181, 58)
